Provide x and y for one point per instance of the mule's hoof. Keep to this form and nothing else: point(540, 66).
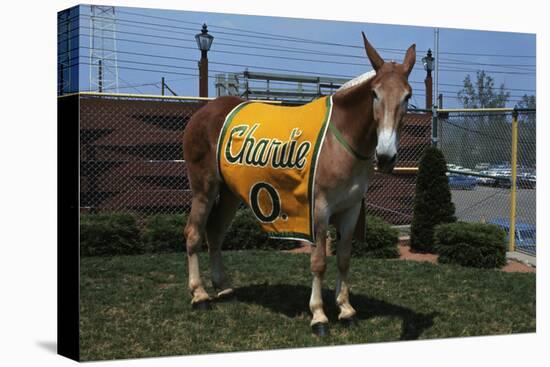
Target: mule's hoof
point(202, 305)
point(225, 295)
point(320, 329)
point(350, 322)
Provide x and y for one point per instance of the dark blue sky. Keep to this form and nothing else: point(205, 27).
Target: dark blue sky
point(161, 43)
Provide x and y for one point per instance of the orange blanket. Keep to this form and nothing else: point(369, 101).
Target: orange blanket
point(267, 154)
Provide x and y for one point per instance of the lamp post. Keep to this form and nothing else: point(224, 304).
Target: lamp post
point(204, 41)
point(428, 62)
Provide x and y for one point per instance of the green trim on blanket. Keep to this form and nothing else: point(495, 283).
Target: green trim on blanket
point(289, 236)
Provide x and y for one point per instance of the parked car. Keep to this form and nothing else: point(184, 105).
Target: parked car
point(526, 182)
point(526, 234)
point(462, 182)
point(485, 181)
point(503, 181)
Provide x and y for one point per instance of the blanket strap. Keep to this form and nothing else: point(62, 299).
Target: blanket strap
point(340, 138)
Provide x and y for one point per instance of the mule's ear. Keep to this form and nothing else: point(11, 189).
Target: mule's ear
point(375, 60)
point(410, 59)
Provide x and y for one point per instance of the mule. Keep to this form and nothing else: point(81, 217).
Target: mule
point(367, 118)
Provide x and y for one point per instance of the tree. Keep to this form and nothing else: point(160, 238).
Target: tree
point(482, 137)
point(432, 201)
point(527, 102)
point(482, 93)
point(527, 130)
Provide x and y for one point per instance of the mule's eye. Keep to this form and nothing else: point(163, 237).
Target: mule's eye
point(374, 95)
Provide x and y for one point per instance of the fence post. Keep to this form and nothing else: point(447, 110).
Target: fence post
point(100, 77)
point(512, 233)
point(434, 126)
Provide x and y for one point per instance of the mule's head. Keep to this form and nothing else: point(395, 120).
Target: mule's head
point(390, 95)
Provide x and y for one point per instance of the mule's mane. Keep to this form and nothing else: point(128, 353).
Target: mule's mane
point(357, 80)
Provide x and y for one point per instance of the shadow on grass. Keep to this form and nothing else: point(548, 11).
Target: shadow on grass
point(292, 301)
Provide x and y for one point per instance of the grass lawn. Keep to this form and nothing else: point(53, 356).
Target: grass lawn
point(139, 306)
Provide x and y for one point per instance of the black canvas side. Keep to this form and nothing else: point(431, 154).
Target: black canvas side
point(68, 241)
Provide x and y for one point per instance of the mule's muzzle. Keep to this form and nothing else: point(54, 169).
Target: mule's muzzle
point(385, 162)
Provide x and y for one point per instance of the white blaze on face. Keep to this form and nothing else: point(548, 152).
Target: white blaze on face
point(387, 143)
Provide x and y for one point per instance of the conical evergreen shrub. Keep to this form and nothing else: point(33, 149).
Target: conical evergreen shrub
point(432, 202)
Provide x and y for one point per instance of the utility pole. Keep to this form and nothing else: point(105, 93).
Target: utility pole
point(436, 35)
point(165, 87)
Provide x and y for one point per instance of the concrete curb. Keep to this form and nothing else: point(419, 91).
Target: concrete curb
point(523, 258)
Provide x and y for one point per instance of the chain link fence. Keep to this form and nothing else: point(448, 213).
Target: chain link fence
point(391, 197)
point(132, 160)
point(478, 148)
point(131, 156)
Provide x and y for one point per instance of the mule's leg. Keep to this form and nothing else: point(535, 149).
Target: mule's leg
point(345, 225)
point(194, 233)
point(319, 321)
point(218, 222)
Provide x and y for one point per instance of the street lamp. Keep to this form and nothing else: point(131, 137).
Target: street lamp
point(428, 62)
point(204, 41)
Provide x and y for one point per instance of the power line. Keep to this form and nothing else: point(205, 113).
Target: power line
point(279, 38)
point(462, 86)
point(247, 33)
point(228, 39)
point(265, 68)
point(277, 69)
point(290, 70)
point(146, 70)
point(189, 68)
point(295, 51)
point(459, 99)
point(238, 53)
point(285, 49)
point(292, 51)
point(298, 59)
point(449, 91)
point(304, 59)
point(464, 62)
point(291, 38)
point(237, 65)
point(145, 54)
point(459, 70)
point(157, 17)
point(488, 55)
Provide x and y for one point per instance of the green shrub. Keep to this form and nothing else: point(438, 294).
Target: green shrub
point(477, 245)
point(164, 233)
point(381, 240)
point(245, 233)
point(432, 202)
point(109, 234)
